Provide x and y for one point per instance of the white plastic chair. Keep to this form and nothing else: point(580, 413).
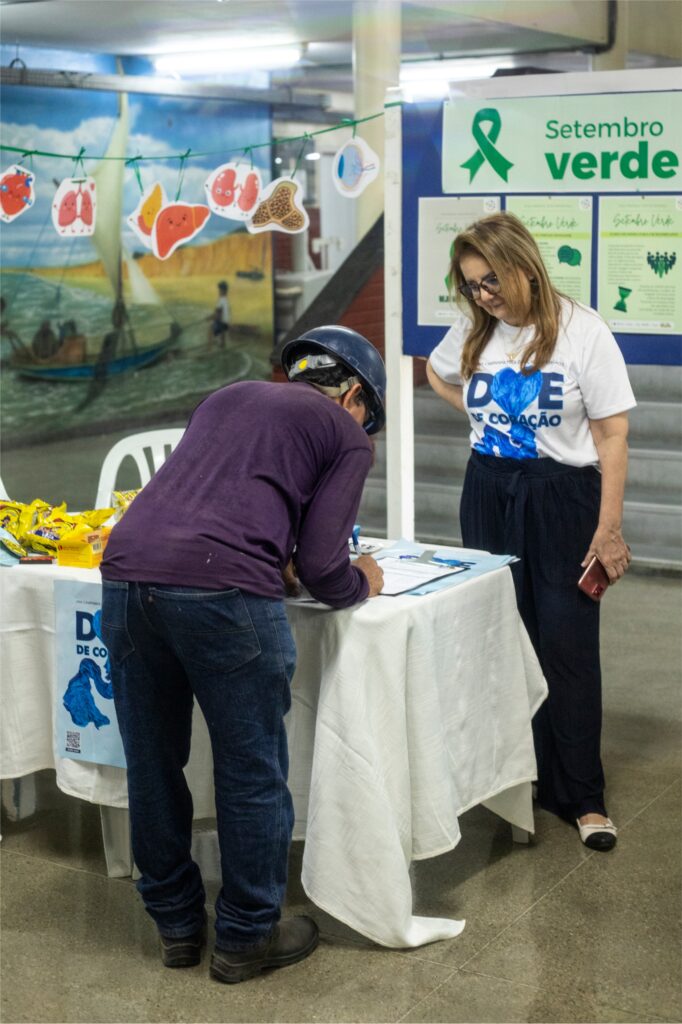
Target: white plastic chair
point(149, 450)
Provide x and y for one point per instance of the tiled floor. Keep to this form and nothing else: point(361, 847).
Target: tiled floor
point(553, 932)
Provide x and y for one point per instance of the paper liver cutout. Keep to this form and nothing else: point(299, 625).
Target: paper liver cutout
point(175, 224)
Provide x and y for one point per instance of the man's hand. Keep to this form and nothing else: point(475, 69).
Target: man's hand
point(290, 580)
point(373, 572)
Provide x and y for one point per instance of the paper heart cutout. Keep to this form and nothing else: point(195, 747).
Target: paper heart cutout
point(514, 392)
point(16, 192)
point(177, 223)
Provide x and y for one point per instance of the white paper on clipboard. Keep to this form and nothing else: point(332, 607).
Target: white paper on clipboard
point(404, 574)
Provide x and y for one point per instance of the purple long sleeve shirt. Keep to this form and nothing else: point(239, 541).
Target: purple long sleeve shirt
point(261, 468)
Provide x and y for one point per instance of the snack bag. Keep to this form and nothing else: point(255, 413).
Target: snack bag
point(10, 549)
point(121, 501)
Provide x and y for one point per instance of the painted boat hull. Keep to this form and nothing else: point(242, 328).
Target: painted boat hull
point(87, 371)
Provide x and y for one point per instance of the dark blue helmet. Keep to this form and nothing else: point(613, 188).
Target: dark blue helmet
point(353, 351)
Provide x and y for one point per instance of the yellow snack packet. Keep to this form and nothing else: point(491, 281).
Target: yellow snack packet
point(10, 516)
point(122, 500)
point(83, 547)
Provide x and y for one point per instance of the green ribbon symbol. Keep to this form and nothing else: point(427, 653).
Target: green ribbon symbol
point(486, 145)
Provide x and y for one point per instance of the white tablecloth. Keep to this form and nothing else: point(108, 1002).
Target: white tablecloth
point(406, 711)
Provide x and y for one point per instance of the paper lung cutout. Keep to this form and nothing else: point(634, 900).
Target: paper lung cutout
point(177, 223)
point(233, 190)
point(355, 166)
point(74, 208)
point(141, 220)
point(280, 209)
point(17, 192)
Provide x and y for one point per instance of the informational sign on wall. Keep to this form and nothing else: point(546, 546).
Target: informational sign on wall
point(615, 142)
point(596, 178)
point(439, 221)
point(562, 227)
point(640, 257)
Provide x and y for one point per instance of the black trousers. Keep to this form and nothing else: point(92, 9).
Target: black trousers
point(546, 513)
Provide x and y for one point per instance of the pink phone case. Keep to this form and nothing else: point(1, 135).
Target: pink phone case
point(594, 581)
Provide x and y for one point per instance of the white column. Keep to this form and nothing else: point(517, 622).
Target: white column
point(376, 68)
point(399, 391)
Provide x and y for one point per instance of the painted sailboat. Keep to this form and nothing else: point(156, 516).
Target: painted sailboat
point(120, 350)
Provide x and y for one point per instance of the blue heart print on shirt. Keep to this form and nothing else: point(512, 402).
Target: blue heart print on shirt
point(513, 392)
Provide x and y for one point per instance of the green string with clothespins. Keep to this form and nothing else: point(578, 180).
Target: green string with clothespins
point(78, 162)
point(346, 122)
point(306, 139)
point(134, 163)
point(181, 172)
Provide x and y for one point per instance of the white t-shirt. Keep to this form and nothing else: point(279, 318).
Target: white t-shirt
point(222, 310)
point(546, 413)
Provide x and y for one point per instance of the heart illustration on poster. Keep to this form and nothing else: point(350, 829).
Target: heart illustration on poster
point(177, 223)
point(355, 166)
point(141, 220)
point(17, 192)
point(233, 190)
point(280, 208)
point(74, 208)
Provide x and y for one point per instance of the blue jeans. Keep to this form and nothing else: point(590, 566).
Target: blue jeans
point(234, 652)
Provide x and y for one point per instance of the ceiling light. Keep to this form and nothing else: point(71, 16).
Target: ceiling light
point(278, 160)
point(430, 79)
point(228, 60)
point(312, 156)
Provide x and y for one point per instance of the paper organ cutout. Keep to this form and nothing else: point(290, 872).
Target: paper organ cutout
point(355, 166)
point(177, 223)
point(74, 208)
point(141, 220)
point(17, 192)
point(233, 191)
point(280, 209)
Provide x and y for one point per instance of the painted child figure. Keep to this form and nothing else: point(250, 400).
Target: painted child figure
point(220, 318)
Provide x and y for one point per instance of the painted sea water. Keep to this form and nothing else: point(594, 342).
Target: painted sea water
point(35, 410)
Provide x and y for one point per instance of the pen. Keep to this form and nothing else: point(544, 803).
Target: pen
point(451, 561)
point(355, 539)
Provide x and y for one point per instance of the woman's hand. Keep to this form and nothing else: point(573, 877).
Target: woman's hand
point(610, 438)
point(611, 550)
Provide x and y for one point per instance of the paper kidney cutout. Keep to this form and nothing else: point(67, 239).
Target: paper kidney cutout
point(17, 192)
point(280, 209)
point(233, 190)
point(355, 166)
point(141, 220)
point(74, 208)
point(176, 223)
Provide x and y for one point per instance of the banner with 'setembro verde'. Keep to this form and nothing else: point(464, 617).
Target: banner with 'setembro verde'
point(614, 142)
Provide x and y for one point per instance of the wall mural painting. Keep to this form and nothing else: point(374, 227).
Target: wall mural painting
point(124, 300)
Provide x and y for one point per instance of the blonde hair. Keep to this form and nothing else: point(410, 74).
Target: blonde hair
point(509, 249)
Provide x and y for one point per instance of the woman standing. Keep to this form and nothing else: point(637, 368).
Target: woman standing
point(546, 390)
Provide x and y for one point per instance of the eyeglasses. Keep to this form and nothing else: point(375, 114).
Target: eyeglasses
point(472, 289)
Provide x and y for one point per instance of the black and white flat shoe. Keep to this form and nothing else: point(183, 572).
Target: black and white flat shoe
point(598, 837)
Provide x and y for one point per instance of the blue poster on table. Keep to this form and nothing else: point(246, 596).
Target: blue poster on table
point(85, 725)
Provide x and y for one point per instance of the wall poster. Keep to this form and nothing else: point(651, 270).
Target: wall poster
point(640, 249)
point(439, 221)
point(562, 227)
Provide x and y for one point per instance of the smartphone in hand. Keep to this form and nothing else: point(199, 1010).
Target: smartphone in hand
point(594, 581)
